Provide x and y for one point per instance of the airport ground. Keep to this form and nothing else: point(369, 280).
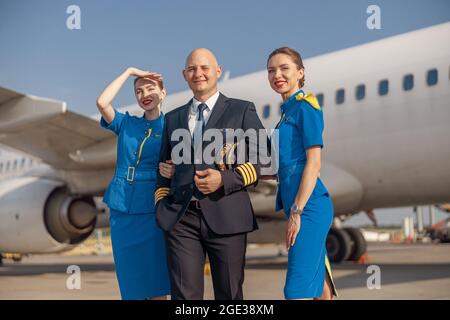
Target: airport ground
point(407, 271)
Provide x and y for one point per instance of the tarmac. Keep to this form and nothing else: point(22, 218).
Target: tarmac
point(391, 271)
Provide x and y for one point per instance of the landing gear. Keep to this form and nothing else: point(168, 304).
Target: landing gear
point(358, 244)
point(338, 245)
point(345, 244)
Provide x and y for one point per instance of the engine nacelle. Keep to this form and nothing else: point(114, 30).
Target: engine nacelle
point(39, 216)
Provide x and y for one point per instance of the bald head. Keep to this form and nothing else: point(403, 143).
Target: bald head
point(202, 73)
point(201, 54)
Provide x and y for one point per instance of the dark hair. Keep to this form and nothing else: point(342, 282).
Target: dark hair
point(160, 82)
point(295, 57)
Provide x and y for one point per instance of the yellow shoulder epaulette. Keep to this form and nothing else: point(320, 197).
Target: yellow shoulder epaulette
point(310, 98)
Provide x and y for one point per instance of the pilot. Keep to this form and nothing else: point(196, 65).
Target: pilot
point(138, 243)
point(301, 194)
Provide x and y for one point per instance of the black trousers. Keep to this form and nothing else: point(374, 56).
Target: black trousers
point(187, 245)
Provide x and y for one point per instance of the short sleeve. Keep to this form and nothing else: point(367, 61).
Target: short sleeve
point(311, 121)
point(116, 124)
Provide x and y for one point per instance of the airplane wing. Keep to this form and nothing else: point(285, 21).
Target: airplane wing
point(45, 129)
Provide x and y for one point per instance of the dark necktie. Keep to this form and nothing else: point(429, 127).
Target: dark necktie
point(201, 107)
point(200, 118)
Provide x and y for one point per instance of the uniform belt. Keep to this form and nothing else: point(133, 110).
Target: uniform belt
point(290, 169)
point(132, 173)
point(194, 205)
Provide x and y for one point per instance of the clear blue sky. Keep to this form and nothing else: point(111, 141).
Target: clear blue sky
point(40, 56)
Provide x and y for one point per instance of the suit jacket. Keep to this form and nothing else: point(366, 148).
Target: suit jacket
point(228, 210)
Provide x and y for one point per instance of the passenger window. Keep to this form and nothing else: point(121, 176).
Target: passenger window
point(340, 96)
point(360, 92)
point(383, 87)
point(266, 111)
point(432, 77)
point(320, 99)
point(408, 82)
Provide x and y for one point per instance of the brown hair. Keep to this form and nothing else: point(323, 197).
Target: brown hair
point(295, 57)
point(160, 82)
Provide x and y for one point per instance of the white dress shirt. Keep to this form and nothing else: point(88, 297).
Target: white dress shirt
point(193, 112)
point(193, 115)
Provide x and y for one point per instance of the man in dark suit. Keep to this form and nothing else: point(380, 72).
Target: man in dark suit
point(205, 207)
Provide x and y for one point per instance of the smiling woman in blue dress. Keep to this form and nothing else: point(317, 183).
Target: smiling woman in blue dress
point(137, 241)
point(301, 193)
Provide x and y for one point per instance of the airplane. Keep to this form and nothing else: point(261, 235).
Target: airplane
point(386, 110)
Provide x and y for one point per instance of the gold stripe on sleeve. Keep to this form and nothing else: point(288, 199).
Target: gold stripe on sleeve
point(251, 168)
point(244, 175)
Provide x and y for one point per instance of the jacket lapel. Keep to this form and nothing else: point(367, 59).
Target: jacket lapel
point(184, 116)
point(217, 112)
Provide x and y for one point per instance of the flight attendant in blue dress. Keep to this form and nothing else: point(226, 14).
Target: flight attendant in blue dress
point(137, 241)
point(301, 194)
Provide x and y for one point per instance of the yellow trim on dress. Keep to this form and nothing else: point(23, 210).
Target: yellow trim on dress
point(142, 145)
point(310, 98)
point(328, 269)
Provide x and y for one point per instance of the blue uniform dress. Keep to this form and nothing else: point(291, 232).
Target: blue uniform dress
point(137, 241)
point(300, 128)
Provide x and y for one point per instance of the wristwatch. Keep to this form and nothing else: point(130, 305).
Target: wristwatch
point(295, 209)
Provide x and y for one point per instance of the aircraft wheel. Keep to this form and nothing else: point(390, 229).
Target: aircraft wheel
point(338, 245)
point(358, 243)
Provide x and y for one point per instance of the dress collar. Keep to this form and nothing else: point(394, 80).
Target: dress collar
point(289, 101)
point(153, 122)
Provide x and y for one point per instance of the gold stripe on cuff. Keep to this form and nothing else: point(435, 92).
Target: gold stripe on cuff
point(244, 174)
point(252, 168)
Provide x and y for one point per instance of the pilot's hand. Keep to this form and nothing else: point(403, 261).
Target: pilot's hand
point(293, 227)
point(167, 170)
point(208, 181)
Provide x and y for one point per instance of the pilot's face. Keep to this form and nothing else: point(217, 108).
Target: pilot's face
point(148, 93)
point(202, 74)
point(284, 75)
